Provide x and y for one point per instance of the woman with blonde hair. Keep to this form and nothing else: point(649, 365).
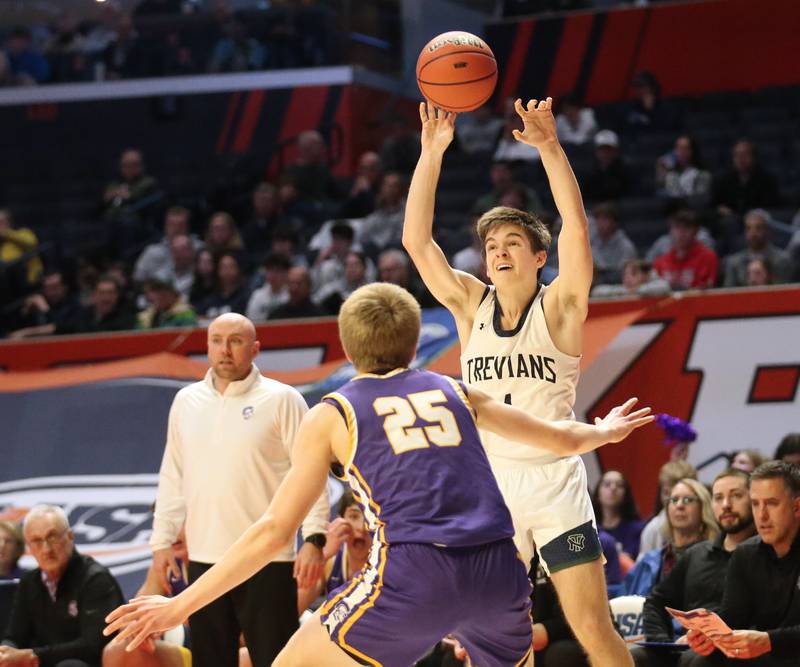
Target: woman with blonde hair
point(690, 520)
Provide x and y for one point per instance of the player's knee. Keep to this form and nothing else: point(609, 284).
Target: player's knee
point(115, 655)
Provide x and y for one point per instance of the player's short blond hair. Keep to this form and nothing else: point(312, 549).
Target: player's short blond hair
point(379, 327)
point(536, 231)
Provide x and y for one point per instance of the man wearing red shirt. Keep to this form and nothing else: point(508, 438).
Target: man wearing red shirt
point(689, 264)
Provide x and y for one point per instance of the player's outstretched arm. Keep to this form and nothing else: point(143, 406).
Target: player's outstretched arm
point(574, 251)
point(254, 549)
point(566, 438)
point(451, 288)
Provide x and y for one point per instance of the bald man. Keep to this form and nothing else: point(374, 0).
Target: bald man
point(229, 446)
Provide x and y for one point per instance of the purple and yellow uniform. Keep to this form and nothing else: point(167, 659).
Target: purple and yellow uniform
point(442, 559)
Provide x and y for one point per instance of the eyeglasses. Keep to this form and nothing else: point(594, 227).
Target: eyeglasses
point(51, 539)
point(683, 500)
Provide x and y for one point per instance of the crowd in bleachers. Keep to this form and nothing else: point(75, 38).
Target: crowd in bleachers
point(661, 217)
point(168, 38)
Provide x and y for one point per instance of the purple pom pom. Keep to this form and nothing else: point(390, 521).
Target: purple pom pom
point(675, 430)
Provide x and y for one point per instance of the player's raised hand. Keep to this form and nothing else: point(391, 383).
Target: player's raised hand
point(437, 127)
point(141, 617)
point(621, 422)
point(538, 120)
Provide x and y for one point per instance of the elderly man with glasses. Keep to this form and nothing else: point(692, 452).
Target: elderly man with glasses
point(59, 610)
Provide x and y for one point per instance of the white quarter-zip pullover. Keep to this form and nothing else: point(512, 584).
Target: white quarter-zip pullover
point(226, 455)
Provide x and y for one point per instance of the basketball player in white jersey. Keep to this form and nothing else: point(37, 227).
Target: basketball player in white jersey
point(521, 342)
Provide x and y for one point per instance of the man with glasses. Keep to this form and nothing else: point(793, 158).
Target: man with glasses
point(698, 578)
point(58, 612)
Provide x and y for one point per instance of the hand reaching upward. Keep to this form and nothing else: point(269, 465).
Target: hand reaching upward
point(437, 127)
point(540, 125)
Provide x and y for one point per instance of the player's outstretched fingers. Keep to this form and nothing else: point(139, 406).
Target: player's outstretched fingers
point(532, 105)
point(626, 407)
point(423, 112)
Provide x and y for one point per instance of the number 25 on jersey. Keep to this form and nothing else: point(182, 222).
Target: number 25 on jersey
point(401, 413)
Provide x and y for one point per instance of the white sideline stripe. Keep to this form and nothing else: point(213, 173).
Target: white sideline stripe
point(196, 84)
point(87, 481)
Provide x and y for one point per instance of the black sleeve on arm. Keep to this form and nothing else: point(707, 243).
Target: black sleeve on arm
point(19, 629)
point(100, 596)
point(736, 601)
point(666, 593)
point(785, 642)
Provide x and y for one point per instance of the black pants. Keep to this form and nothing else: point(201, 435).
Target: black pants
point(561, 653)
point(264, 608)
point(644, 657)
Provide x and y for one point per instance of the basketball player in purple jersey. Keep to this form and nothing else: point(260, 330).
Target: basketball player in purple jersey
point(521, 342)
point(442, 559)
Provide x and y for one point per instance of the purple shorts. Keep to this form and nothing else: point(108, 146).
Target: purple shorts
point(409, 596)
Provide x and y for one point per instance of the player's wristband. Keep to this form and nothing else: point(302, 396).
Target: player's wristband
point(317, 539)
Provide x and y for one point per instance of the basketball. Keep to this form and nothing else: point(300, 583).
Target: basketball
point(457, 71)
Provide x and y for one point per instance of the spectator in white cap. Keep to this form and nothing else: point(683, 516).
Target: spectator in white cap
point(609, 179)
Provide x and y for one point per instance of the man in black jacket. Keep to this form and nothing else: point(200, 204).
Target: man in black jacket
point(60, 607)
point(698, 578)
point(762, 590)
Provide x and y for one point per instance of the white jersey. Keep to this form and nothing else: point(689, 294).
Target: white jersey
point(522, 367)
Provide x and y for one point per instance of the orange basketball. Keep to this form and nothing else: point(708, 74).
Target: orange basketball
point(457, 71)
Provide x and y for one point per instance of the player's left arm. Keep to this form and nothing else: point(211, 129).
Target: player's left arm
point(258, 545)
point(567, 302)
point(565, 438)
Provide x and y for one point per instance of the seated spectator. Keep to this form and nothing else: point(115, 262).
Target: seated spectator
point(611, 247)
point(104, 32)
point(230, 294)
point(161, 652)
point(394, 266)
point(470, 259)
point(689, 264)
point(617, 513)
point(347, 545)
point(576, 123)
point(746, 185)
point(761, 601)
point(273, 292)
point(155, 261)
point(108, 310)
point(27, 66)
point(609, 178)
point(649, 112)
point(478, 131)
point(285, 242)
point(236, 51)
point(384, 226)
point(16, 242)
point(759, 273)
point(358, 271)
point(638, 280)
point(60, 607)
point(508, 148)
point(690, 520)
point(263, 219)
point(299, 303)
point(168, 308)
point(124, 57)
point(182, 253)
point(747, 460)
point(329, 265)
point(360, 201)
point(52, 308)
point(129, 202)
point(789, 449)
point(222, 235)
point(680, 173)
point(309, 173)
point(698, 578)
point(65, 51)
point(758, 246)
point(502, 178)
point(663, 244)
point(12, 546)
point(205, 280)
point(669, 475)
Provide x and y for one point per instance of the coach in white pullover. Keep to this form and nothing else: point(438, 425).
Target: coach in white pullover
point(229, 446)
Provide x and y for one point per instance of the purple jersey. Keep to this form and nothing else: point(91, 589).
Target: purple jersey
point(416, 464)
